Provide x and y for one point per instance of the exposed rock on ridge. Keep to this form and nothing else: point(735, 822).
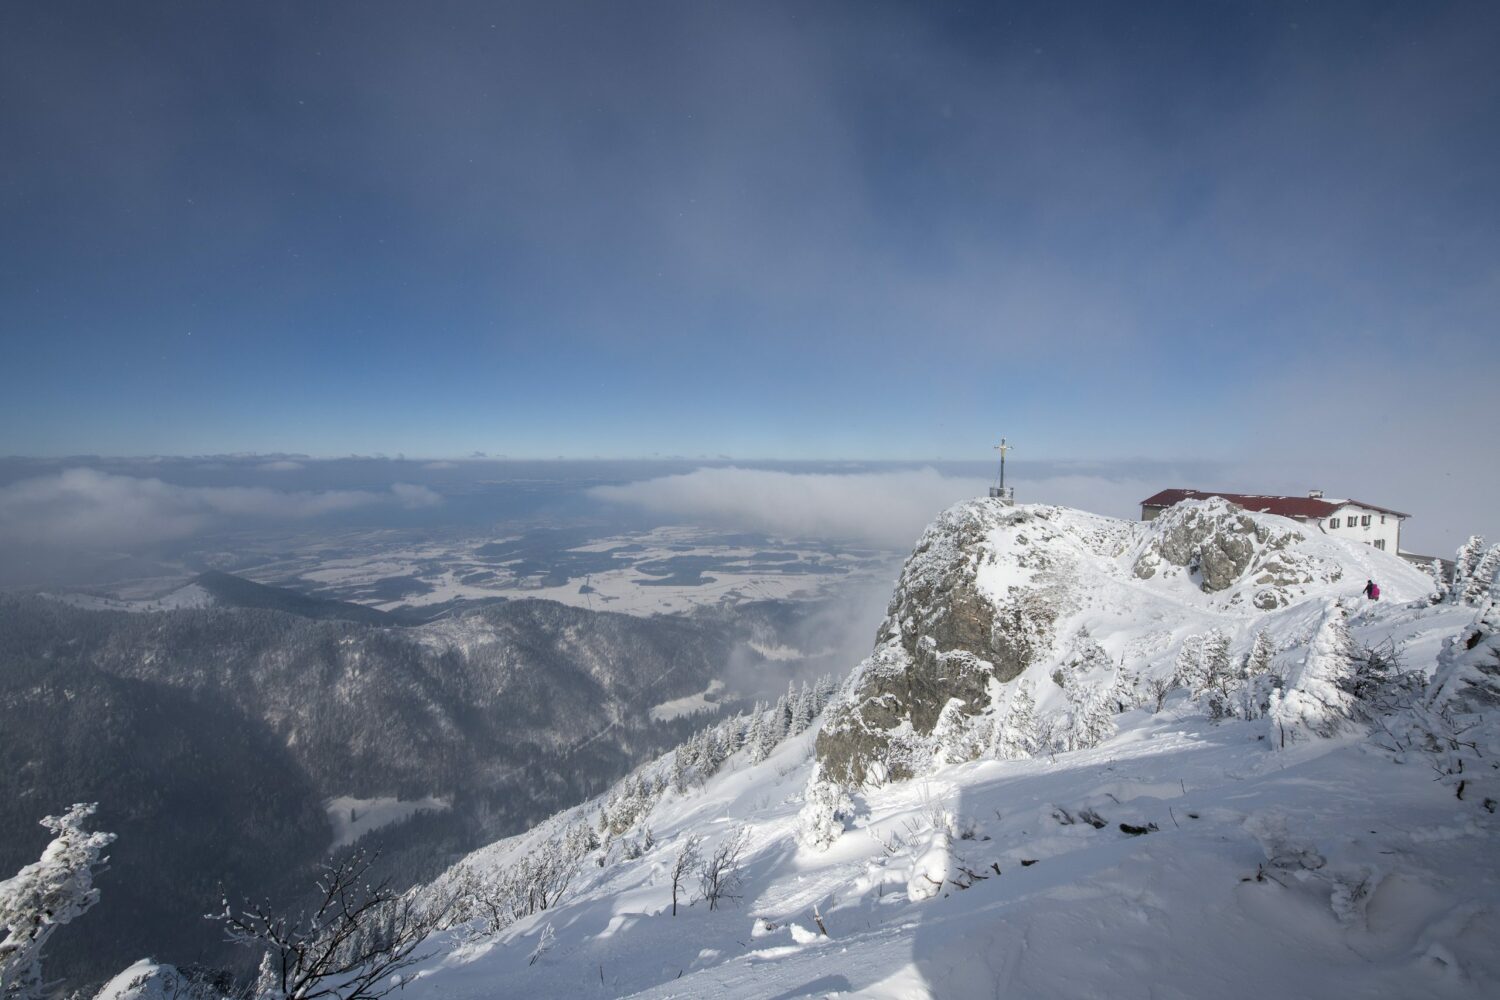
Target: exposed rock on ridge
point(992, 591)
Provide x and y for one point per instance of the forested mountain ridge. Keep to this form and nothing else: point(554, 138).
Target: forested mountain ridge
point(216, 735)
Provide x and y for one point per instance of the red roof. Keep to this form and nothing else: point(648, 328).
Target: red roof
point(1309, 507)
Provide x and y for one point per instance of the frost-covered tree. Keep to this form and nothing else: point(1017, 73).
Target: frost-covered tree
point(1090, 716)
point(1017, 736)
point(1259, 678)
point(953, 734)
point(781, 715)
point(679, 771)
point(1439, 581)
point(1122, 691)
point(719, 879)
point(770, 733)
point(1189, 664)
point(44, 895)
point(350, 946)
point(825, 811)
point(803, 711)
point(758, 740)
point(1478, 588)
point(1216, 675)
point(684, 865)
point(1318, 698)
point(1465, 566)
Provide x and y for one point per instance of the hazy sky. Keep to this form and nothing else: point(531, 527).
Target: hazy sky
point(1254, 233)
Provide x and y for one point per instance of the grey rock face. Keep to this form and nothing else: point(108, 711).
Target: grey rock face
point(1216, 538)
point(943, 638)
point(1223, 545)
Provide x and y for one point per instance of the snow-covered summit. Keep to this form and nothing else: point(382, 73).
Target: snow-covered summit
point(994, 593)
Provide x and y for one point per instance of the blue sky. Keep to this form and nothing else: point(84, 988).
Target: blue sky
point(1212, 231)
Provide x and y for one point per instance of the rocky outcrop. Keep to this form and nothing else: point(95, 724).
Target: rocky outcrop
point(991, 589)
point(951, 632)
point(1220, 546)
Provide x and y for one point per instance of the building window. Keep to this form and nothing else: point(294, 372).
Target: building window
point(1365, 520)
point(1380, 543)
point(1333, 522)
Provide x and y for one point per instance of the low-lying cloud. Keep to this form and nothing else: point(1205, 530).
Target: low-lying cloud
point(85, 508)
point(886, 509)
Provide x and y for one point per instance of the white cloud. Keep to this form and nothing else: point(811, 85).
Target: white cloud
point(84, 508)
point(281, 465)
point(888, 509)
point(881, 508)
point(412, 496)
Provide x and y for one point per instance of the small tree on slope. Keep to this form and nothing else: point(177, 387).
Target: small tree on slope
point(1477, 588)
point(826, 808)
point(1465, 566)
point(44, 896)
point(1318, 699)
point(1439, 581)
point(1017, 736)
point(350, 947)
point(1259, 678)
point(719, 879)
point(688, 858)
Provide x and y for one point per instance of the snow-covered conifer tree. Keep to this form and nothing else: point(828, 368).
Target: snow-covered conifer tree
point(802, 711)
point(1439, 580)
point(1478, 587)
point(1090, 718)
point(44, 895)
point(951, 734)
point(1215, 675)
point(1317, 698)
point(1465, 566)
point(1258, 681)
point(825, 811)
point(1016, 735)
point(781, 718)
point(756, 738)
point(1189, 665)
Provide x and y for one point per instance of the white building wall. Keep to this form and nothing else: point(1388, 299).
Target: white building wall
point(1351, 523)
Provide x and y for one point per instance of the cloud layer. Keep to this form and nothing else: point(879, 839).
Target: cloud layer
point(85, 508)
point(888, 509)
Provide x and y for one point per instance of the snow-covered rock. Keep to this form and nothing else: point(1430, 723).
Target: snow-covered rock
point(1086, 607)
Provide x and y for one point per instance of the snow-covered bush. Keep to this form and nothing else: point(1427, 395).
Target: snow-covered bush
point(825, 812)
point(351, 945)
point(45, 895)
point(956, 737)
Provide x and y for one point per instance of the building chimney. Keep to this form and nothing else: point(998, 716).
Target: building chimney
point(1315, 494)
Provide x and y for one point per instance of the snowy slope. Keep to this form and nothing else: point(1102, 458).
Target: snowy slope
point(911, 843)
point(1099, 913)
